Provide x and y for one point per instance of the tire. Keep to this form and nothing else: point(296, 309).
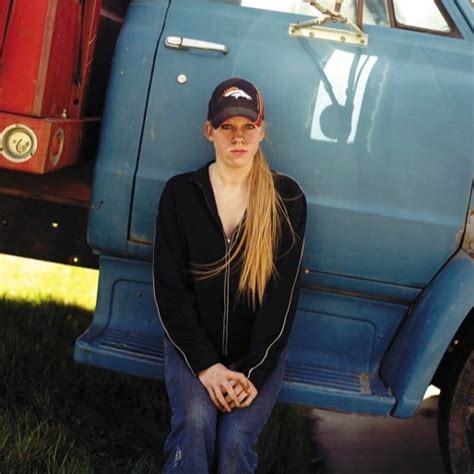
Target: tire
point(456, 413)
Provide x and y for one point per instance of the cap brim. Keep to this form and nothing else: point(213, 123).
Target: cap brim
point(233, 112)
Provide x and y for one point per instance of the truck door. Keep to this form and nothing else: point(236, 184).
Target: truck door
point(363, 129)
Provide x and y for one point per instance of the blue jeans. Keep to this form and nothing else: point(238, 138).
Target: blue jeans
point(205, 440)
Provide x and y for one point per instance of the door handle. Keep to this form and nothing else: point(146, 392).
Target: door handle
point(178, 42)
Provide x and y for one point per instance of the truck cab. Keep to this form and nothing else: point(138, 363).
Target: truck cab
point(370, 108)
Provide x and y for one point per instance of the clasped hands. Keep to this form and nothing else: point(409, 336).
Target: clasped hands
point(228, 389)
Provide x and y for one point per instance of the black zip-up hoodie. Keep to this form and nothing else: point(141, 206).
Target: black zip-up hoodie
point(205, 319)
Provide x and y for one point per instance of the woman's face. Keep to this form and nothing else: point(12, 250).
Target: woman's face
point(236, 141)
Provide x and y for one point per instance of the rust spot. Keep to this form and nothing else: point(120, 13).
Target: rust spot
point(468, 241)
point(364, 382)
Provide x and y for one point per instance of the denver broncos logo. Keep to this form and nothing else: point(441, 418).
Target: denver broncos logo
point(236, 93)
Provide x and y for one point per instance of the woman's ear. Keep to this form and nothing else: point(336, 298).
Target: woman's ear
point(262, 132)
point(208, 129)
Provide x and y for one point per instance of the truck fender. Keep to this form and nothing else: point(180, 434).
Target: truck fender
point(426, 333)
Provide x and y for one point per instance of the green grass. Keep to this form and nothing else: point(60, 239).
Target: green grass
point(35, 280)
point(57, 416)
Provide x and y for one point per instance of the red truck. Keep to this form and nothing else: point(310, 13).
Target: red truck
point(55, 58)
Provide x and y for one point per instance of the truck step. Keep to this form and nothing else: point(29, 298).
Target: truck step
point(142, 354)
point(142, 346)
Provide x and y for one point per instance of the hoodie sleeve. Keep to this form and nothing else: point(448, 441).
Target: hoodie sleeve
point(174, 294)
point(275, 316)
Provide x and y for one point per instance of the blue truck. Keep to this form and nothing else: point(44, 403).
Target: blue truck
point(371, 109)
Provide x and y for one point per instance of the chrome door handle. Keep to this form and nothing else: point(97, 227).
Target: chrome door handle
point(178, 42)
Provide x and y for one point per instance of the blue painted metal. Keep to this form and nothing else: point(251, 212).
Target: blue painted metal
point(378, 137)
point(122, 126)
point(126, 337)
point(343, 333)
point(125, 311)
point(376, 163)
point(425, 335)
point(357, 286)
point(465, 6)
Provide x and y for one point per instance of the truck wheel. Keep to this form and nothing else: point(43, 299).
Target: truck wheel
point(456, 413)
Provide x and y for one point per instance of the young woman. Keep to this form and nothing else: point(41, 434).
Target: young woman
point(227, 257)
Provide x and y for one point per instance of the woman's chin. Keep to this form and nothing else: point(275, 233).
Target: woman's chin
point(239, 161)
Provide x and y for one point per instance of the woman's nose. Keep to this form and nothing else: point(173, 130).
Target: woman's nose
point(237, 136)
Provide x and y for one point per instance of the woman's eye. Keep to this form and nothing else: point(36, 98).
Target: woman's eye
point(226, 126)
point(250, 126)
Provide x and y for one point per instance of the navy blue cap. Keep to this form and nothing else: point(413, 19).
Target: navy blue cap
point(235, 97)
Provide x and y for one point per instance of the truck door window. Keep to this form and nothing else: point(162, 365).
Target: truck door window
point(375, 11)
point(422, 14)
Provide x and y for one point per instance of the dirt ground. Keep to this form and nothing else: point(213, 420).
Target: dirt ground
point(352, 444)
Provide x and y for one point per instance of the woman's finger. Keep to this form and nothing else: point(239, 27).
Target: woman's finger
point(240, 378)
point(251, 397)
point(230, 393)
point(221, 399)
point(210, 391)
point(239, 391)
point(235, 385)
point(243, 395)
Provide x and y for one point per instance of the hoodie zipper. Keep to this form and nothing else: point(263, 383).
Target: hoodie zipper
point(225, 322)
point(225, 328)
point(228, 246)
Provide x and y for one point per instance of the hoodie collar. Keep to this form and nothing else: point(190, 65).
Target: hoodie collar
point(202, 179)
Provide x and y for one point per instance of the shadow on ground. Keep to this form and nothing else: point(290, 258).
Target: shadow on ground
point(59, 416)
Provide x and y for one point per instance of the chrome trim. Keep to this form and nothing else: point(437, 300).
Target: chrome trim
point(333, 34)
point(179, 42)
point(19, 149)
point(312, 28)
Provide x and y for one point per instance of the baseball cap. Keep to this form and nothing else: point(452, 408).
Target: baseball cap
point(234, 97)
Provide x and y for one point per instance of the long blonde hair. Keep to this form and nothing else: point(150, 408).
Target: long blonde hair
point(259, 233)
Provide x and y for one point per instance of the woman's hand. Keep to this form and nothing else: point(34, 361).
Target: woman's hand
point(219, 382)
point(245, 397)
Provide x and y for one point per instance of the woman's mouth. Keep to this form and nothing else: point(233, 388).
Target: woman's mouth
point(238, 151)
